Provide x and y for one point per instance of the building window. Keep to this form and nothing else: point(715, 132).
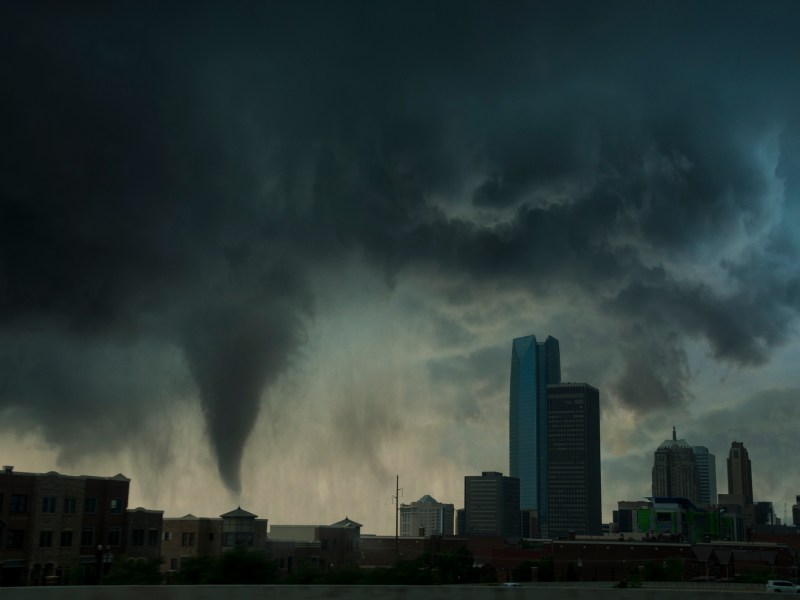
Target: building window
point(173, 564)
point(69, 506)
point(238, 539)
point(87, 536)
point(15, 538)
point(187, 538)
point(49, 504)
point(19, 503)
point(45, 539)
point(116, 505)
point(114, 536)
point(66, 538)
point(90, 505)
point(152, 537)
point(137, 537)
point(210, 536)
point(167, 536)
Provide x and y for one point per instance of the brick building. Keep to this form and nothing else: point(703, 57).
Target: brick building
point(190, 536)
point(320, 546)
point(54, 526)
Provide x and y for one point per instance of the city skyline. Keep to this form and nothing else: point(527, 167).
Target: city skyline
point(272, 254)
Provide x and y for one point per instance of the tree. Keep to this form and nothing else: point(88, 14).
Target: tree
point(523, 571)
point(242, 566)
point(237, 566)
point(134, 572)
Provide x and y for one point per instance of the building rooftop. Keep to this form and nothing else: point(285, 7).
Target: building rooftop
point(346, 522)
point(9, 470)
point(238, 513)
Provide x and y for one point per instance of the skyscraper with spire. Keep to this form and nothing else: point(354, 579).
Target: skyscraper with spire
point(740, 477)
point(534, 365)
point(675, 471)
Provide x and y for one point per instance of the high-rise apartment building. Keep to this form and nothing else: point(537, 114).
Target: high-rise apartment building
point(675, 470)
point(573, 450)
point(426, 517)
point(740, 478)
point(706, 476)
point(534, 365)
point(491, 504)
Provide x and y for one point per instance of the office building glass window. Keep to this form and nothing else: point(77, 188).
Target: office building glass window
point(137, 537)
point(66, 538)
point(114, 536)
point(15, 538)
point(49, 504)
point(87, 536)
point(19, 503)
point(70, 506)
point(90, 505)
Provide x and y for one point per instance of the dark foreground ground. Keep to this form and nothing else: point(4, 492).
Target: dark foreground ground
point(325, 592)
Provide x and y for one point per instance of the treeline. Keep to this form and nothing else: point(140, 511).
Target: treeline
point(241, 566)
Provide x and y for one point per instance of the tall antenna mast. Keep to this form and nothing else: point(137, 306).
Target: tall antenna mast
point(396, 499)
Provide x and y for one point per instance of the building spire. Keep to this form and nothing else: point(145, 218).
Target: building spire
point(674, 437)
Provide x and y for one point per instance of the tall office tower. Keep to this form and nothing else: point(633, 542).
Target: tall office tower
point(426, 517)
point(573, 464)
point(740, 477)
point(534, 365)
point(796, 512)
point(491, 503)
point(675, 470)
point(706, 475)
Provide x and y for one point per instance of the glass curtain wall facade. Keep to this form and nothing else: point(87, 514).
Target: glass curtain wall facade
point(534, 365)
point(706, 476)
point(491, 504)
point(574, 460)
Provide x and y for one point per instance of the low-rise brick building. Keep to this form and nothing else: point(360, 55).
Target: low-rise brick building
point(54, 526)
point(190, 536)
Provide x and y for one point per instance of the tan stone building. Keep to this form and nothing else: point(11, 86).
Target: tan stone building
point(675, 471)
point(190, 536)
point(320, 546)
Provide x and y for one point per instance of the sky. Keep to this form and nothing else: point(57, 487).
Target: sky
point(273, 254)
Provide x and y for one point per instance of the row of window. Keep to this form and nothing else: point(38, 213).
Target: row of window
point(19, 504)
point(187, 537)
point(138, 535)
point(15, 538)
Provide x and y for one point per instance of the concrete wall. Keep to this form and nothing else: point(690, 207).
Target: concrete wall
point(324, 592)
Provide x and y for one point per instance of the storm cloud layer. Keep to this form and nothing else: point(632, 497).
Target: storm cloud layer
point(179, 183)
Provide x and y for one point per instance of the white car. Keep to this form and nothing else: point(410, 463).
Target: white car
point(781, 585)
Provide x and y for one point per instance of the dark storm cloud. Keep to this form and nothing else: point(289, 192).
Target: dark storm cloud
point(177, 176)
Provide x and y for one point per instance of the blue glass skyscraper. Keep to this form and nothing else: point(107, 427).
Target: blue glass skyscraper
point(534, 365)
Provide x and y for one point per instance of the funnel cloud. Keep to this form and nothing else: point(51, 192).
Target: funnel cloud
point(308, 219)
